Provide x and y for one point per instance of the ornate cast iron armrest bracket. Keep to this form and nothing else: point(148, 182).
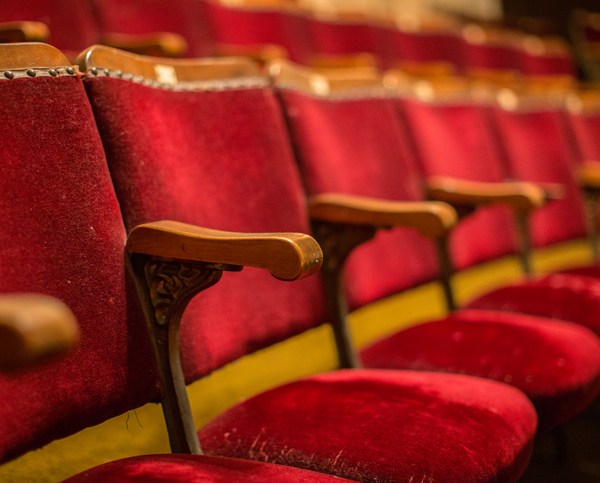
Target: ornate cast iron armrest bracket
point(159, 44)
point(11, 32)
point(343, 222)
point(521, 197)
point(172, 262)
point(34, 328)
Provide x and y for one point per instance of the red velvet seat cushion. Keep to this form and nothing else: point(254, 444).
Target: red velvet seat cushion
point(371, 425)
point(592, 271)
point(560, 296)
point(196, 469)
point(557, 364)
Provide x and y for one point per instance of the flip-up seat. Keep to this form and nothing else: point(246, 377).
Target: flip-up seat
point(207, 142)
point(349, 141)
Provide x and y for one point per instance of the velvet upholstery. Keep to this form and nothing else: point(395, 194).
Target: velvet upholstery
point(531, 63)
point(71, 23)
point(330, 37)
point(184, 17)
point(489, 56)
point(472, 155)
point(538, 149)
point(585, 127)
point(196, 469)
point(257, 26)
point(191, 139)
point(63, 236)
point(376, 163)
point(472, 438)
point(556, 364)
point(559, 296)
point(408, 46)
point(221, 158)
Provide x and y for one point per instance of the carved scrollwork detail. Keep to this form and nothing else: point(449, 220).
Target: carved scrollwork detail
point(172, 284)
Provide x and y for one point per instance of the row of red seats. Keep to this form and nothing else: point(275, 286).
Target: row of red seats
point(210, 27)
point(206, 144)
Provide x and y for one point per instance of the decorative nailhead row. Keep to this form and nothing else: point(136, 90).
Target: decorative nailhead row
point(205, 85)
point(55, 72)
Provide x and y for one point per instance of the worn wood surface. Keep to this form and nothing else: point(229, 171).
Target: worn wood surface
point(288, 256)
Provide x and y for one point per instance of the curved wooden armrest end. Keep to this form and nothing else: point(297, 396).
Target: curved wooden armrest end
point(588, 175)
point(34, 328)
point(160, 44)
point(520, 196)
point(430, 218)
point(26, 31)
point(288, 256)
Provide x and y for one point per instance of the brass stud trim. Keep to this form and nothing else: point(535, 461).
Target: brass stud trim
point(37, 72)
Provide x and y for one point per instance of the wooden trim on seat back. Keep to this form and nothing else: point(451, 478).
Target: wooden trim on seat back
point(102, 60)
point(34, 56)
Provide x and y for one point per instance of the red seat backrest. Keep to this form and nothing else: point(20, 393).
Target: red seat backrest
point(533, 133)
point(71, 22)
point(584, 120)
point(260, 26)
point(214, 154)
point(184, 17)
point(452, 139)
point(353, 143)
point(63, 236)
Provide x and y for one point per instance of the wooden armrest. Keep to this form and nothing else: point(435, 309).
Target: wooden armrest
point(11, 32)
point(431, 219)
point(519, 196)
point(34, 328)
point(588, 175)
point(159, 44)
point(288, 256)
